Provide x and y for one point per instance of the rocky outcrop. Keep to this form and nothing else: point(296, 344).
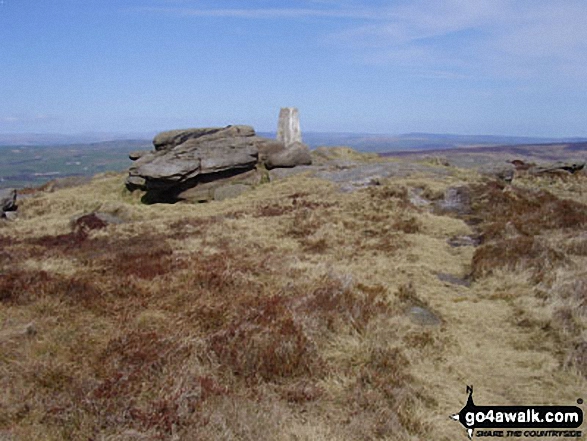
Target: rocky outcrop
point(7, 201)
point(559, 168)
point(214, 163)
point(191, 165)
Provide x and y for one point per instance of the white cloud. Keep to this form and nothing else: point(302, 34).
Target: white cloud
point(20, 119)
point(480, 38)
point(267, 13)
point(509, 38)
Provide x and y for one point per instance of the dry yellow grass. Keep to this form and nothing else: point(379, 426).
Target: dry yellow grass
point(283, 313)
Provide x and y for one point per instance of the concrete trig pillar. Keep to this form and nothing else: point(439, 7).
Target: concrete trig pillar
point(288, 127)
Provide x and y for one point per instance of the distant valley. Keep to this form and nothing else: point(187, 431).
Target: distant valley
point(33, 165)
point(28, 160)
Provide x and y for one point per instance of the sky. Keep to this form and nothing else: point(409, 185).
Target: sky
point(493, 67)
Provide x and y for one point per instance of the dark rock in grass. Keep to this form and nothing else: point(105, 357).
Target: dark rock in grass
point(7, 201)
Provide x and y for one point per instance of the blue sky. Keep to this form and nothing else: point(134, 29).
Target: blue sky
point(516, 67)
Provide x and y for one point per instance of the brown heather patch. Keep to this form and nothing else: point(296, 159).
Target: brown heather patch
point(99, 294)
point(273, 210)
point(298, 202)
point(199, 227)
point(276, 346)
point(89, 222)
point(314, 245)
point(499, 209)
point(407, 224)
point(530, 211)
point(336, 305)
point(381, 400)
point(144, 257)
point(516, 253)
point(388, 192)
point(62, 241)
point(305, 222)
point(6, 241)
point(20, 287)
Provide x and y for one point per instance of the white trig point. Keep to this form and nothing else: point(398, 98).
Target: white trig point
point(288, 127)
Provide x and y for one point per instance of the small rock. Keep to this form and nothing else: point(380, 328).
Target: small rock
point(361, 183)
point(416, 199)
point(10, 215)
point(464, 241)
point(7, 200)
point(453, 280)
point(456, 199)
point(268, 147)
point(137, 154)
point(293, 155)
point(30, 329)
point(423, 316)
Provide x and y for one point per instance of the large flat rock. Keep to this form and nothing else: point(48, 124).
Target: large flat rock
point(208, 151)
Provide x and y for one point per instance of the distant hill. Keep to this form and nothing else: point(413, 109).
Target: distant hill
point(379, 143)
point(372, 142)
point(33, 159)
point(46, 139)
